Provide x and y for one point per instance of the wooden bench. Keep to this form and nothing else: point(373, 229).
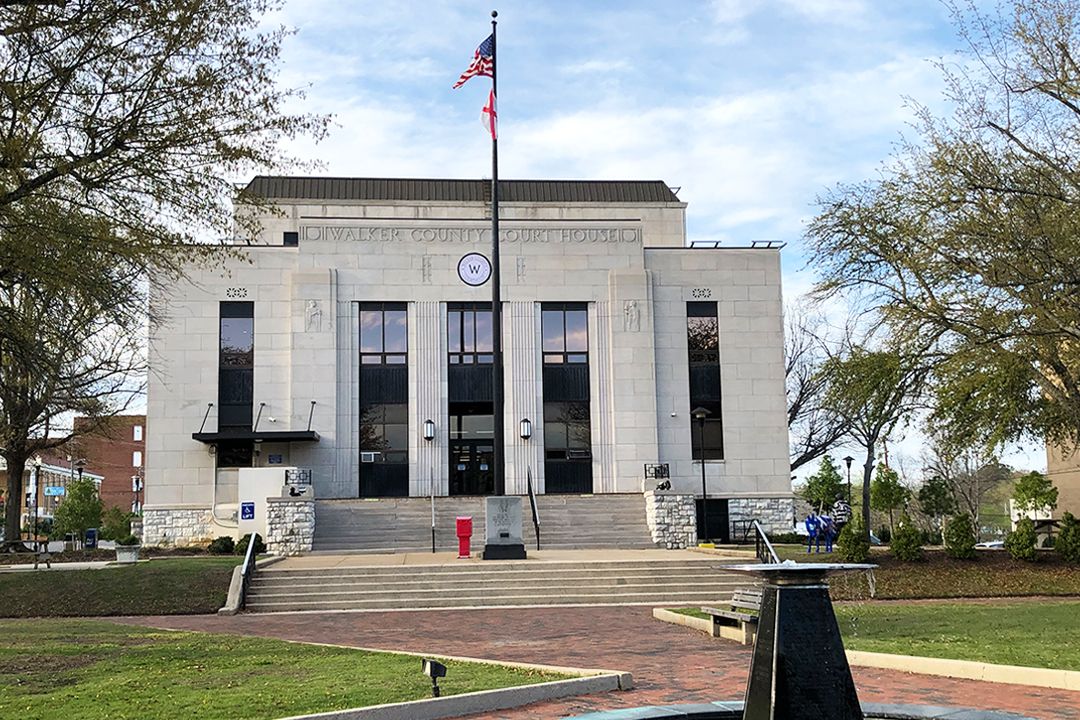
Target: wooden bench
point(739, 622)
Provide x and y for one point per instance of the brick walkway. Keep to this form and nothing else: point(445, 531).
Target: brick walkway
point(670, 664)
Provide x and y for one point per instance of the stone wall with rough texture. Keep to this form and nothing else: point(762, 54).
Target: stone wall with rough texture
point(672, 519)
point(177, 526)
point(774, 514)
point(290, 526)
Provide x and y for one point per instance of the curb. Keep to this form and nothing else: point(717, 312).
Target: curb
point(969, 670)
point(943, 667)
point(469, 703)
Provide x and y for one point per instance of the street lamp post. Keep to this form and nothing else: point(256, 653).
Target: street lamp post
point(847, 461)
point(699, 414)
point(37, 494)
point(429, 435)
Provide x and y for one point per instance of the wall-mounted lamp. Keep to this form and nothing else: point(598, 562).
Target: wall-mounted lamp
point(525, 428)
point(429, 430)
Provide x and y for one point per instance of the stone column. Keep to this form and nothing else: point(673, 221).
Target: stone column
point(524, 399)
point(428, 392)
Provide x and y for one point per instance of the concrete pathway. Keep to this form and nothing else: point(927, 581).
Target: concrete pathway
point(320, 561)
point(670, 664)
point(22, 567)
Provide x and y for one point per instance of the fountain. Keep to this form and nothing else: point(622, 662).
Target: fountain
point(799, 669)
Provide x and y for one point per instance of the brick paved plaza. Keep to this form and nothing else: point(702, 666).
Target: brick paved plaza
point(670, 664)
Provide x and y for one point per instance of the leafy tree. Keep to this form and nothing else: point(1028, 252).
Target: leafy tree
point(1021, 542)
point(823, 486)
point(886, 492)
point(972, 475)
point(80, 509)
point(906, 542)
point(1068, 541)
point(936, 498)
point(812, 426)
point(1034, 491)
point(853, 545)
point(960, 537)
point(875, 391)
point(969, 238)
point(115, 524)
point(124, 123)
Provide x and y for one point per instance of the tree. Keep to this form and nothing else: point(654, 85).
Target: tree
point(813, 428)
point(1034, 491)
point(887, 494)
point(875, 391)
point(823, 486)
point(1068, 541)
point(936, 499)
point(80, 509)
point(969, 239)
point(971, 474)
point(122, 124)
point(959, 537)
point(1021, 542)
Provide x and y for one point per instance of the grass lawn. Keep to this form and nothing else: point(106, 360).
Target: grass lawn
point(180, 586)
point(992, 574)
point(76, 669)
point(1033, 634)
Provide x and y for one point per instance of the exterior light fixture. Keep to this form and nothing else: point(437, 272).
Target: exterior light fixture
point(429, 430)
point(434, 669)
point(699, 414)
point(847, 461)
point(525, 428)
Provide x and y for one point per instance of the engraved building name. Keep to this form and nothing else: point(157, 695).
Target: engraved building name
point(352, 233)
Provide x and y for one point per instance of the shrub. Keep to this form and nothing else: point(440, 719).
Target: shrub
point(127, 540)
point(242, 546)
point(1068, 541)
point(787, 538)
point(907, 541)
point(884, 535)
point(960, 537)
point(222, 546)
point(1021, 542)
point(853, 545)
point(115, 524)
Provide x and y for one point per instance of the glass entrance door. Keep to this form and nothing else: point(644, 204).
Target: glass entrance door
point(472, 467)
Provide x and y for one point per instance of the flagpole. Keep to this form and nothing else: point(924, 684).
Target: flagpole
point(496, 292)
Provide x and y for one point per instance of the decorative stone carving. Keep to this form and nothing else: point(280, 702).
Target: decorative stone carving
point(425, 268)
point(631, 316)
point(521, 269)
point(313, 316)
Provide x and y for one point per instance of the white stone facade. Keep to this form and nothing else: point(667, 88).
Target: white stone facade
point(290, 526)
point(776, 515)
point(672, 519)
point(177, 526)
point(626, 260)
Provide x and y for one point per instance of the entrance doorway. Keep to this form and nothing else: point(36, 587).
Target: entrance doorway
point(472, 467)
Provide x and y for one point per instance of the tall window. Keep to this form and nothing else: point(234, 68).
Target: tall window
point(384, 400)
point(468, 333)
point(565, 329)
point(703, 346)
point(383, 333)
point(236, 365)
point(567, 435)
point(137, 432)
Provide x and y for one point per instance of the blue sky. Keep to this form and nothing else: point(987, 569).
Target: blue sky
point(752, 107)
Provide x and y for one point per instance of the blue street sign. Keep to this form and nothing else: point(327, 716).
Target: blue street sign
point(276, 459)
point(247, 511)
point(51, 491)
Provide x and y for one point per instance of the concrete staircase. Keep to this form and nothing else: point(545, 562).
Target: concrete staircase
point(678, 581)
point(568, 522)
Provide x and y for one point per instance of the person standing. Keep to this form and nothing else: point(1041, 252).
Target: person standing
point(813, 526)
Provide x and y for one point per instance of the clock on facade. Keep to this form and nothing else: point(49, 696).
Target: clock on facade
point(474, 269)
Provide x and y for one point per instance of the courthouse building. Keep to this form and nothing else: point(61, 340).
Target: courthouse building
point(328, 342)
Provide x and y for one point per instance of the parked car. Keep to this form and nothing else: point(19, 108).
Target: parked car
point(990, 545)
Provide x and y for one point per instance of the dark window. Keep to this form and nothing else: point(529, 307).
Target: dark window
point(468, 334)
point(567, 434)
point(703, 351)
point(234, 454)
point(384, 432)
point(236, 365)
point(383, 333)
point(290, 239)
point(565, 328)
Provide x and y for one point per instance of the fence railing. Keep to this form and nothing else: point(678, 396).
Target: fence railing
point(762, 547)
point(532, 504)
point(248, 568)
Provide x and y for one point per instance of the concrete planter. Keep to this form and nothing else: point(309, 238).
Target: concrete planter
point(127, 554)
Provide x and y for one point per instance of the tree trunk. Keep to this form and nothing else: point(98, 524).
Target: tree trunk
point(13, 504)
point(868, 468)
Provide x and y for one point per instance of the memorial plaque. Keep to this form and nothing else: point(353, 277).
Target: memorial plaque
point(502, 528)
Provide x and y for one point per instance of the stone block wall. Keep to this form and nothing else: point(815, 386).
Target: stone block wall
point(290, 526)
point(672, 519)
point(177, 526)
point(774, 514)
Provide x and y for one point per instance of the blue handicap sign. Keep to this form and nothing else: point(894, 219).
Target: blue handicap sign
point(247, 511)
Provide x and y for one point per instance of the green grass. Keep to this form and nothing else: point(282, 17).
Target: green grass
point(84, 669)
point(160, 587)
point(1032, 634)
point(692, 612)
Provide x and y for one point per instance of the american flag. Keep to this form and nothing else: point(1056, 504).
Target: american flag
point(483, 62)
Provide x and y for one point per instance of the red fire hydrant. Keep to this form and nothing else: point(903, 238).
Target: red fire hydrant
point(464, 536)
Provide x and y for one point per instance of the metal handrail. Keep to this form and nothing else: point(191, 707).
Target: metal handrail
point(532, 503)
point(762, 547)
point(248, 568)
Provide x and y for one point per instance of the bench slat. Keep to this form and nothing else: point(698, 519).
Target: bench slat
point(730, 615)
